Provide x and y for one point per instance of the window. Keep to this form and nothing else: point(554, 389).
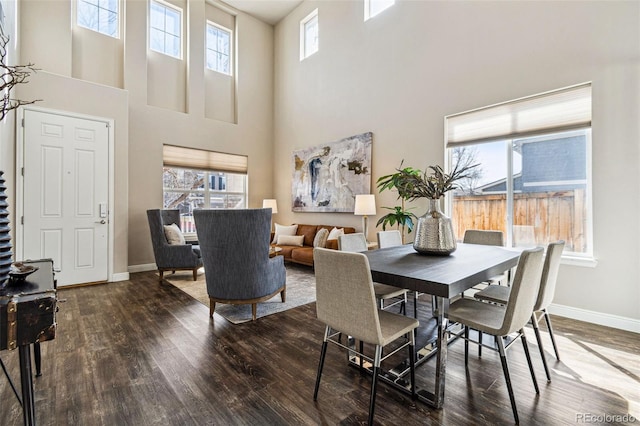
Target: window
point(165, 29)
point(194, 179)
point(373, 7)
point(218, 44)
point(99, 15)
point(534, 176)
point(309, 42)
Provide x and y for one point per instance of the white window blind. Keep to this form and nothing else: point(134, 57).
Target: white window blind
point(555, 111)
point(190, 158)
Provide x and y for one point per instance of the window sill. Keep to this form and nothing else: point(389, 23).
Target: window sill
point(587, 262)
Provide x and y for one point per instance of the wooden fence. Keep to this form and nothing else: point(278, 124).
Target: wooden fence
point(538, 218)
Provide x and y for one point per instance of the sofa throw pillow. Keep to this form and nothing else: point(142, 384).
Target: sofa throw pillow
point(290, 240)
point(321, 238)
point(335, 233)
point(283, 230)
point(173, 234)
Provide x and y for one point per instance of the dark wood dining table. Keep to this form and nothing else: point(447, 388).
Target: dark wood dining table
point(443, 277)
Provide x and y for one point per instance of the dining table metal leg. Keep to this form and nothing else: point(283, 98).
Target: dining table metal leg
point(441, 355)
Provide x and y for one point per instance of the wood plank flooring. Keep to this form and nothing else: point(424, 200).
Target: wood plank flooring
point(140, 353)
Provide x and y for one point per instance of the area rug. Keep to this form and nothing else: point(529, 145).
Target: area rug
point(301, 289)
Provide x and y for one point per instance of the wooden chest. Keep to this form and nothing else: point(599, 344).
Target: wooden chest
point(28, 308)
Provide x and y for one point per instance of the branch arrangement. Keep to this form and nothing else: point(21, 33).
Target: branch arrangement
point(10, 76)
point(432, 183)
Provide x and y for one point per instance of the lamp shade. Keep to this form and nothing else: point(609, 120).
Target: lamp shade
point(270, 204)
point(365, 204)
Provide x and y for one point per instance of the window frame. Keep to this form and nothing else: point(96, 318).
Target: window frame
point(367, 8)
point(303, 35)
point(177, 9)
point(98, 8)
point(569, 257)
point(550, 115)
point(207, 49)
point(207, 192)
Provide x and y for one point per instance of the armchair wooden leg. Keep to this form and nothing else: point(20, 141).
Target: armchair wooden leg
point(212, 307)
point(195, 274)
point(254, 308)
point(283, 295)
point(161, 274)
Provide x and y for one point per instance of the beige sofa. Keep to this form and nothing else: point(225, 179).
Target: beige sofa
point(304, 255)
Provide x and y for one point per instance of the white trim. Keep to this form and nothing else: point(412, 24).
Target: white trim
point(19, 229)
point(121, 276)
point(600, 318)
point(142, 267)
point(588, 262)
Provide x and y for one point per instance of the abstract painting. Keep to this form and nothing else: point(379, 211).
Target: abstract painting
point(326, 178)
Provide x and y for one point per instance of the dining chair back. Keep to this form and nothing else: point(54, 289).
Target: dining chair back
point(357, 242)
point(389, 238)
point(481, 236)
point(346, 304)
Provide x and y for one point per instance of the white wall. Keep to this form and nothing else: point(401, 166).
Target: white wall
point(401, 72)
point(68, 79)
point(151, 127)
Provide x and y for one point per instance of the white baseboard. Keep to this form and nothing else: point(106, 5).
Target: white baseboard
point(142, 268)
point(608, 320)
point(121, 276)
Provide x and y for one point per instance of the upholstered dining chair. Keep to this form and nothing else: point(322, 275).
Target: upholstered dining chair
point(500, 294)
point(504, 320)
point(357, 242)
point(171, 257)
point(389, 238)
point(235, 251)
point(487, 238)
point(346, 303)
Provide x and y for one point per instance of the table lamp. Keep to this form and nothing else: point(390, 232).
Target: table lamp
point(270, 204)
point(365, 205)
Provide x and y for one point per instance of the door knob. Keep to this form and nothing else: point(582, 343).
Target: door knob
point(102, 222)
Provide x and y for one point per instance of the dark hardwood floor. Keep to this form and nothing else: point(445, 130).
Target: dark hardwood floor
point(140, 353)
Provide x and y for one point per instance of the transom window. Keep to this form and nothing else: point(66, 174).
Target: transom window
point(99, 15)
point(309, 35)
point(219, 42)
point(533, 181)
point(373, 7)
point(165, 29)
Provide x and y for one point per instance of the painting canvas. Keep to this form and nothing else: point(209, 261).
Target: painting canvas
point(326, 178)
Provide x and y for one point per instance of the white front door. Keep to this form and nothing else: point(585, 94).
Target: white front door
point(65, 195)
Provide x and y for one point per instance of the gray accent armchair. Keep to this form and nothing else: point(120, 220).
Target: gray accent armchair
point(235, 252)
point(169, 257)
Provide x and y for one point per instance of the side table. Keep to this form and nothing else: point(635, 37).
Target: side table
point(27, 316)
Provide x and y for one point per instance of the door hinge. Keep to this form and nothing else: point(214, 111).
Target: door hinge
point(21, 220)
point(22, 122)
point(22, 171)
point(108, 125)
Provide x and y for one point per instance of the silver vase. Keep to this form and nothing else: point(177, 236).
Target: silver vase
point(434, 232)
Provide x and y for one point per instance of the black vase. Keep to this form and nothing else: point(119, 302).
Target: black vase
point(5, 238)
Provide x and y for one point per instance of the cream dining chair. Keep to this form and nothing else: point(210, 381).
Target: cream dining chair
point(500, 294)
point(503, 320)
point(389, 238)
point(346, 303)
point(357, 242)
